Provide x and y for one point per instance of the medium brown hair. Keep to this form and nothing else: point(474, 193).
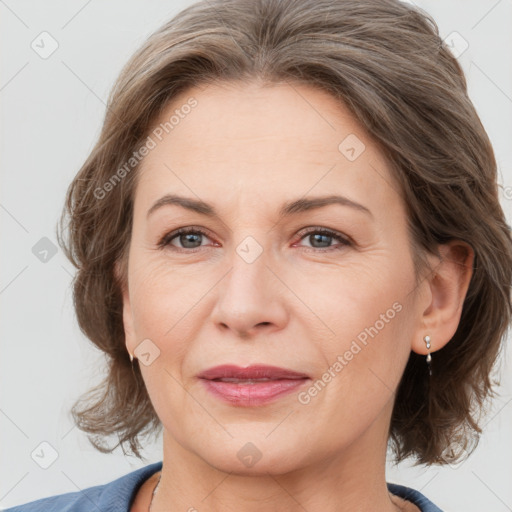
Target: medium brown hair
point(385, 61)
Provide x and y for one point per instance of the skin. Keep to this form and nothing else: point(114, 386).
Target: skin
point(247, 149)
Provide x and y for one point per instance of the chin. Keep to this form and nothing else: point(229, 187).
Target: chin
point(253, 455)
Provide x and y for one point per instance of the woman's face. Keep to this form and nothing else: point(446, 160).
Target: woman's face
point(264, 285)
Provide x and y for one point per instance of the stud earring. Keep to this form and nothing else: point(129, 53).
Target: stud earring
point(131, 357)
point(426, 339)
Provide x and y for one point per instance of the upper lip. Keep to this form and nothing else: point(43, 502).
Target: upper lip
point(257, 371)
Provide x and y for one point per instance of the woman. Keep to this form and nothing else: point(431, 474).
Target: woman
point(289, 243)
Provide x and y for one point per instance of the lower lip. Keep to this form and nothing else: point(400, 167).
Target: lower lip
point(248, 395)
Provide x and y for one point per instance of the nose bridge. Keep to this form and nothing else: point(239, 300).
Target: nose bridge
point(248, 297)
point(249, 266)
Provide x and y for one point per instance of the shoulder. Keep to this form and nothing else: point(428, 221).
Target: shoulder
point(71, 501)
point(115, 496)
point(423, 503)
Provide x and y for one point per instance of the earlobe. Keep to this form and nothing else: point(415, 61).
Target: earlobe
point(447, 283)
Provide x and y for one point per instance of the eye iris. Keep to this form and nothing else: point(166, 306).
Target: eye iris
point(189, 237)
point(318, 238)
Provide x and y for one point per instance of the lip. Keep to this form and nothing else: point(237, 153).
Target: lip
point(255, 371)
point(281, 382)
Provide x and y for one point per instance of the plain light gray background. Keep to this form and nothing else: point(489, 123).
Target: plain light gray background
point(52, 110)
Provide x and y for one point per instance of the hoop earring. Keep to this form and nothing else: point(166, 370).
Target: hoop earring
point(426, 339)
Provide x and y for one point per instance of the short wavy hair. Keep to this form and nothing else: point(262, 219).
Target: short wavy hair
point(385, 61)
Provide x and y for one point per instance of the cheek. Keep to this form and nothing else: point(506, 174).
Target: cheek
point(163, 293)
point(163, 312)
point(366, 320)
point(362, 367)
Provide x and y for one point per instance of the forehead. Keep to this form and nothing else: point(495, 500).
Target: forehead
point(248, 140)
point(276, 116)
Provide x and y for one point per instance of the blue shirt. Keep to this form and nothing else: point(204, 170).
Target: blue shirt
point(119, 495)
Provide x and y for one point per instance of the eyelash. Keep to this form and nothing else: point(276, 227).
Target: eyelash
point(345, 241)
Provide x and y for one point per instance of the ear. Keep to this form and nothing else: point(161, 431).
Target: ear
point(121, 274)
point(446, 286)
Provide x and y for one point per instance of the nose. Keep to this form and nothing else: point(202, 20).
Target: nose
point(250, 299)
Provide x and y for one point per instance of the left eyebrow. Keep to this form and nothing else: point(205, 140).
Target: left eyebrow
point(313, 203)
point(290, 208)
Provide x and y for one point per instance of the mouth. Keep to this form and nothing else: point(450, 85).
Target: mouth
point(255, 385)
